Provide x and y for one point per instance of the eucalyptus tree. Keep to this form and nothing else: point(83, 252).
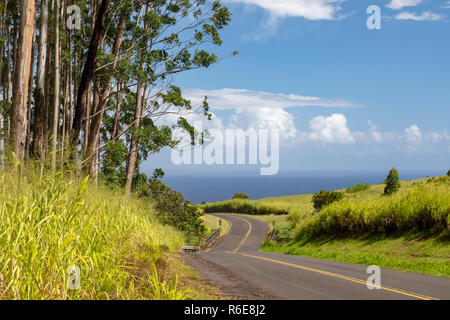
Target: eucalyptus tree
point(21, 78)
point(160, 39)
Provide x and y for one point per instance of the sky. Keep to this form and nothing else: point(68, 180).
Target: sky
point(342, 96)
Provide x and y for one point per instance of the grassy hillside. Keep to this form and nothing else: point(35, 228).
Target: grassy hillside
point(48, 224)
point(407, 231)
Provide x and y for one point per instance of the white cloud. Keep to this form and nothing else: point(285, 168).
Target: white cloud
point(375, 134)
point(425, 16)
point(413, 135)
point(266, 118)
point(226, 99)
point(308, 9)
point(399, 4)
point(332, 129)
point(446, 5)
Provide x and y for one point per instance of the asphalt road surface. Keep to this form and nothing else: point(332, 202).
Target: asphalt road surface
point(241, 272)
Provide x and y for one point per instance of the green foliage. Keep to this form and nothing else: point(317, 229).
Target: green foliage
point(357, 188)
point(423, 208)
point(439, 180)
point(172, 209)
point(48, 224)
point(241, 196)
point(392, 182)
point(243, 206)
point(163, 291)
point(448, 173)
point(325, 198)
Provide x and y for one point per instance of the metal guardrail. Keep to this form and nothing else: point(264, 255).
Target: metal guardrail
point(211, 238)
point(271, 235)
point(191, 248)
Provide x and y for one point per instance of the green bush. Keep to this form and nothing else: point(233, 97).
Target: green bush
point(424, 208)
point(448, 173)
point(243, 206)
point(392, 182)
point(357, 188)
point(241, 196)
point(325, 198)
point(172, 209)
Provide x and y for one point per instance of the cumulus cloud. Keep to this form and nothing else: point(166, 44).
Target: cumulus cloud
point(399, 4)
point(375, 134)
point(425, 16)
point(266, 118)
point(308, 9)
point(332, 129)
point(413, 135)
point(247, 99)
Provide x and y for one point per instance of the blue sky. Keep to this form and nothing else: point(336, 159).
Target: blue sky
point(382, 97)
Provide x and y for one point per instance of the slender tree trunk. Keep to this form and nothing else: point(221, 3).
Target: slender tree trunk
point(115, 129)
point(40, 98)
point(72, 88)
point(21, 79)
point(134, 144)
point(134, 147)
point(99, 110)
point(87, 121)
point(30, 96)
point(56, 88)
point(88, 72)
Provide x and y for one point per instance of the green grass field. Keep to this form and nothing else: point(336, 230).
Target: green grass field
point(48, 224)
point(406, 231)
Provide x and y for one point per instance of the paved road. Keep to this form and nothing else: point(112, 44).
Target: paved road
point(242, 272)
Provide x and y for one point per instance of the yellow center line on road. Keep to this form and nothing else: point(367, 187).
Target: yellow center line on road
point(246, 236)
point(335, 275)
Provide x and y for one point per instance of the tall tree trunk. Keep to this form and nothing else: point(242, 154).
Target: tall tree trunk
point(30, 96)
point(21, 78)
point(87, 121)
point(40, 98)
point(132, 158)
point(115, 128)
point(99, 110)
point(57, 87)
point(88, 73)
point(134, 144)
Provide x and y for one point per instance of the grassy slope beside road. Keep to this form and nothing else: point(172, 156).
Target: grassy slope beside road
point(407, 231)
point(48, 224)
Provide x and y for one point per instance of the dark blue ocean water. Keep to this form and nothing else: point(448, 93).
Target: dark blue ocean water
point(218, 188)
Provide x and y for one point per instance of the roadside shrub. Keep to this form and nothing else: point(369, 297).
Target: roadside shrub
point(357, 188)
point(241, 196)
point(243, 206)
point(392, 182)
point(172, 209)
point(324, 198)
point(424, 208)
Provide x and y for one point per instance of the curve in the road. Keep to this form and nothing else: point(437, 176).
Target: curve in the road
point(242, 271)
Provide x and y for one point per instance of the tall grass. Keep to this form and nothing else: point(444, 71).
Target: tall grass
point(357, 188)
point(50, 223)
point(423, 208)
point(243, 206)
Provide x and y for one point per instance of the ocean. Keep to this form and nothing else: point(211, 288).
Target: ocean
point(219, 188)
